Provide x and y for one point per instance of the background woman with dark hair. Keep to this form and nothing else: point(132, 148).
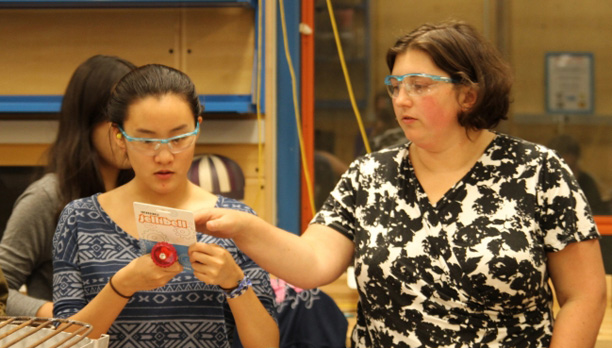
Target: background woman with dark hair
point(81, 162)
point(455, 235)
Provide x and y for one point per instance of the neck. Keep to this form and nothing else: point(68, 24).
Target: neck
point(453, 154)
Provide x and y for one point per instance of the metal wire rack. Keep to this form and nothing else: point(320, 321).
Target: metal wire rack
point(26, 332)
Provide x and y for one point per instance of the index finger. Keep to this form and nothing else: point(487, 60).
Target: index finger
point(202, 217)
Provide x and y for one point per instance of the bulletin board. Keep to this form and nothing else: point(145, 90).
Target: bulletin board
point(569, 83)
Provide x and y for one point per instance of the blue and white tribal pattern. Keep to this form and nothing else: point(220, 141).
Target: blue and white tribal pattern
point(89, 248)
point(469, 271)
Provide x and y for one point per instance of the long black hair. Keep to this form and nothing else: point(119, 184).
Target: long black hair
point(72, 156)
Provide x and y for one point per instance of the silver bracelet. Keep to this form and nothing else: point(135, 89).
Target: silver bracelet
point(242, 287)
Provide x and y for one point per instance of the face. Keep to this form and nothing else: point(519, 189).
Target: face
point(159, 118)
point(109, 154)
point(430, 117)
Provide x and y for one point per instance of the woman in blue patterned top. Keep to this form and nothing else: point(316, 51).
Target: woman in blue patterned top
point(455, 235)
point(100, 276)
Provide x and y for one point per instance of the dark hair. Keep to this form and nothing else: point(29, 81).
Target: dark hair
point(153, 80)
point(72, 157)
point(459, 50)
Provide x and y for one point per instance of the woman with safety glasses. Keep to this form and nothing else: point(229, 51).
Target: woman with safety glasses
point(454, 235)
point(100, 274)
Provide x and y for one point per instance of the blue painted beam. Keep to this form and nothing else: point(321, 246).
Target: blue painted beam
point(122, 3)
point(288, 184)
point(52, 103)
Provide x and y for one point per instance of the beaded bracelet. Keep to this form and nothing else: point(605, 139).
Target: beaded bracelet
point(242, 287)
point(110, 282)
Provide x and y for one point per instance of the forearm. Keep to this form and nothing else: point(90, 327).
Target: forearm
point(102, 311)
point(284, 254)
point(45, 311)
point(315, 258)
point(19, 304)
point(255, 325)
point(577, 323)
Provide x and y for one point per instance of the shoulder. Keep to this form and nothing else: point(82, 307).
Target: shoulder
point(508, 148)
point(82, 211)
point(42, 195)
point(230, 203)
point(45, 186)
point(386, 162)
point(522, 160)
point(86, 203)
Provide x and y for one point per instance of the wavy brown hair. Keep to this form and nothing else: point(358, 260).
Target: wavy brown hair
point(466, 56)
point(72, 156)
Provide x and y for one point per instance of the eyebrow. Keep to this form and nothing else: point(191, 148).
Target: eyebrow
point(150, 132)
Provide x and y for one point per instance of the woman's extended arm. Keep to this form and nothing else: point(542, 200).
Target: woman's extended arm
point(579, 279)
point(315, 258)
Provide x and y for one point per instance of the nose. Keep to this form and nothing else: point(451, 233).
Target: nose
point(164, 155)
point(403, 97)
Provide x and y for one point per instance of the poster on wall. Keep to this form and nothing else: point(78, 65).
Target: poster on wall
point(569, 82)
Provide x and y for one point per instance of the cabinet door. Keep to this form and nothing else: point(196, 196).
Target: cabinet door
point(219, 49)
point(42, 47)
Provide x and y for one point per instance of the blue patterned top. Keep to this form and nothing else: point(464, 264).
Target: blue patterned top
point(89, 248)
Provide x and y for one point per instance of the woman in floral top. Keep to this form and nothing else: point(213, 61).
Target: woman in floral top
point(455, 235)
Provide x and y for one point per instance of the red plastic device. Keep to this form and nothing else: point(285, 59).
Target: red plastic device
point(163, 254)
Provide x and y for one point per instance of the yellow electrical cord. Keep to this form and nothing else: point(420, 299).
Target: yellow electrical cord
point(296, 110)
point(295, 100)
point(347, 79)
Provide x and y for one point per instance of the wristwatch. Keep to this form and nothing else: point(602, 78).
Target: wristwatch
point(242, 287)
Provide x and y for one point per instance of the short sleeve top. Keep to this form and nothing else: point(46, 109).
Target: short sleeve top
point(89, 247)
point(469, 271)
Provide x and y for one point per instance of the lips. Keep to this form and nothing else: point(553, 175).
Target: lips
point(407, 119)
point(164, 174)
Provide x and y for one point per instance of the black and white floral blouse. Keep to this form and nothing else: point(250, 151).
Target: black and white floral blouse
point(469, 271)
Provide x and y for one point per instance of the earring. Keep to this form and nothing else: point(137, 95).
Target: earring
point(119, 135)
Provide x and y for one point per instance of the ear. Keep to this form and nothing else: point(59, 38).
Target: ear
point(117, 137)
point(200, 132)
point(468, 97)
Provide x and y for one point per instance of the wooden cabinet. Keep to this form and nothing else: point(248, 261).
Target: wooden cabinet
point(44, 41)
point(214, 42)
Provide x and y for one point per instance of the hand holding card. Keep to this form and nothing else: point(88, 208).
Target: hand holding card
point(175, 227)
